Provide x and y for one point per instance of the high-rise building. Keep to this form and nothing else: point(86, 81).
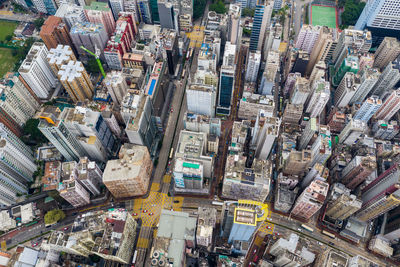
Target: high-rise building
point(241, 182)
point(234, 29)
point(89, 175)
point(336, 120)
point(297, 162)
point(169, 41)
point(301, 92)
point(368, 79)
point(390, 106)
point(138, 114)
point(116, 86)
point(267, 85)
point(59, 56)
point(312, 126)
point(307, 37)
point(76, 81)
point(387, 52)
point(146, 12)
point(318, 72)
point(346, 89)
point(100, 13)
point(253, 65)
point(290, 82)
point(349, 64)
point(36, 71)
point(266, 130)
point(17, 165)
point(116, 6)
point(311, 199)
point(132, 7)
point(168, 17)
point(112, 230)
point(71, 14)
point(343, 207)
point(54, 129)
point(323, 48)
point(121, 41)
point(91, 130)
point(384, 130)
point(188, 174)
point(69, 187)
point(129, 175)
point(262, 17)
point(319, 98)
point(381, 195)
point(301, 59)
point(205, 226)
point(353, 130)
point(351, 41)
point(227, 80)
point(380, 14)
point(45, 6)
point(201, 99)
point(250, 104)
point(388, 79)
point(90, 36)
point(55, 32)
point(292, 113)
point(16, 102)
point(358, 169)
point(392, 226)
point(321, 149)
point(368, 109)
point(244, 224)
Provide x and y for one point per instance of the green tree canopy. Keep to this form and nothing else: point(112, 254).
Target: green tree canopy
point(248, 12)
point(198, 8)
point(32, 133)
point(352, 10)
point(218, 7)
point(38, 23)
point(54, 216)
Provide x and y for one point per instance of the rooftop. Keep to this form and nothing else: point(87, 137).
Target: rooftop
point(191, 144)
point(52, 174)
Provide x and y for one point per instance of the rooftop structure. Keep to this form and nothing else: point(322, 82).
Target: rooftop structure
point(107, 234)
point(130, 174)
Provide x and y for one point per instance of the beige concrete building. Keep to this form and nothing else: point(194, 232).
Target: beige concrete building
point(246, 183)
point(60, 56)
point(250, 104)
point(343, 207)
point(129, 175)
point(387, 51)
point(297, 162)
point(76, 81)
point(292, 113)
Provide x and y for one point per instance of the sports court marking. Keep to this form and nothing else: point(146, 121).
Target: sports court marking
point(324, 16)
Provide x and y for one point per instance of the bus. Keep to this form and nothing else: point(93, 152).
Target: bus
point(308, 228)
point(217, 203)
point(183, 74)
point(134, 257)
point(328, 234)
point(171, 154)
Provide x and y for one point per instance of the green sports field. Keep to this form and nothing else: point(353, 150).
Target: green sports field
point(323, 16)
point(7, 28)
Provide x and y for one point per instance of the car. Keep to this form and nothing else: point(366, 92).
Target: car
point(172, 110)
point(331, 243)
point(150, 213)
point(144, 211)
point(65, 228)
point(35, 244)
point(134, 214)
point(268, 227)
point(176, 201)
point(171, 209)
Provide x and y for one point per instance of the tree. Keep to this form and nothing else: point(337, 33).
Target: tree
point(218, 7)
point(32, 133)
point(38, 23)
point(352, 10)
point(92, 65)
point(248, 12)
point(54, 216)
point(198, 8)
point(246, 32)
point(8, 37)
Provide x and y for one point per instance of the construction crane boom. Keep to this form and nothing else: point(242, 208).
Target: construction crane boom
point(96, 56)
